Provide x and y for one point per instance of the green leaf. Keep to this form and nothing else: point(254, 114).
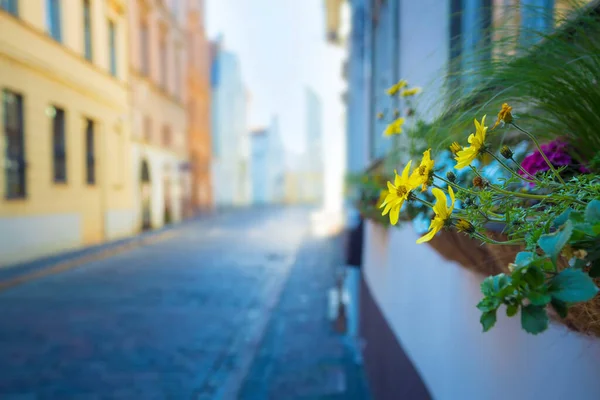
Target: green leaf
point(553, 243)
point(577, 217)
point(488, 304)
point(592, 211)
point(487, 286)
point(560, 307)
point(585, 228)
point(524, 258)
point(562, 218)
point(500, 281)
point(534, 278)
point(596, 229)
point(488, 320)
point(572, 286)
point(539, 299)
point(534, 319)
point(544, 264)
point(512, 309)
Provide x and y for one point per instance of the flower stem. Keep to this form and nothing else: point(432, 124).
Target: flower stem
point(537, 144)
point(509, 193)
point(509, 169)
point(454, 185)
point(486, 239)
point(525, 171)
point(414, 197)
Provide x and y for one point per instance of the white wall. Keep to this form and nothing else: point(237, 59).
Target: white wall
point(29, 237)
point(120, 223)
point(430, 305)
point(161, 164)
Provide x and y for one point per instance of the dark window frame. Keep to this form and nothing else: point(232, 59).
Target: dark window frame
point(15, 164)
point(88, 51)
point(90, 153)
point(59, 146)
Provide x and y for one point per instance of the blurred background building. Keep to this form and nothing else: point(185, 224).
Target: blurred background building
point(230, 139)
point(268, 165)
point(66, 129)
point(304, 180)
point(198, 110)
point(158, 90)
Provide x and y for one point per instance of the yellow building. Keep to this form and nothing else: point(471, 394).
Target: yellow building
point(158, 57)
point(65, 126)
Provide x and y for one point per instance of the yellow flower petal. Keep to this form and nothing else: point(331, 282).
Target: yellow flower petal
point(395, 214)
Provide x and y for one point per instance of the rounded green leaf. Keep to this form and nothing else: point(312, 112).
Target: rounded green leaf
point(592, 211)
point(562, 218)
point(511, 310)
point(534, 319)
point(524, 258)
point(488, 320)
point(572, 286)
point(553, 243)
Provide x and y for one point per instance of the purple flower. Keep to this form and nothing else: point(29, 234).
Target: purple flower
point(557, 153)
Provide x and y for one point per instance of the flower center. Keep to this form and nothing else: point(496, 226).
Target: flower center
point(401, 191)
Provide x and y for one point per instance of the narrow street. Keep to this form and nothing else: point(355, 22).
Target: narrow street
point(233, 306)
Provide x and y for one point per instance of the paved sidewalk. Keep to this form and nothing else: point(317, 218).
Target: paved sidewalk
point(300, 355)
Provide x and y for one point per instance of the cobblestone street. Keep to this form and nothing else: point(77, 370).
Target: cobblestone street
point(234, 306)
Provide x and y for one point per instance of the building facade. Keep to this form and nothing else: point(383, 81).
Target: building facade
point(230, 139)
point(313, 185)
point(198, 111)
point(65, 126)
point(160, 158)
point(267, 165)
point(429, 329)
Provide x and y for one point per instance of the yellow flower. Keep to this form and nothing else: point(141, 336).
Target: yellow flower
point(504, 115)
point(425, 171)
point(395, 128)
point(477, 140)
point(462, 225)
point(396, 87)
point(398, 192)
point(442, 213)
point(410, 92)
point(455, 148)
point(382, 197)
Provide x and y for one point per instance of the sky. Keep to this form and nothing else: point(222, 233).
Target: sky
point(282, 49)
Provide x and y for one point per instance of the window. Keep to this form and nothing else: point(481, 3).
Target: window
point(145, 48)
point(163, 62)
point(14, 169)
point(147, 129)
point(87, 30)
point(537, 19)
point(11, 6)
point(90, 158)
point(166, 136)
point(112, 45)
point(53, 19)
point(59, 146)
